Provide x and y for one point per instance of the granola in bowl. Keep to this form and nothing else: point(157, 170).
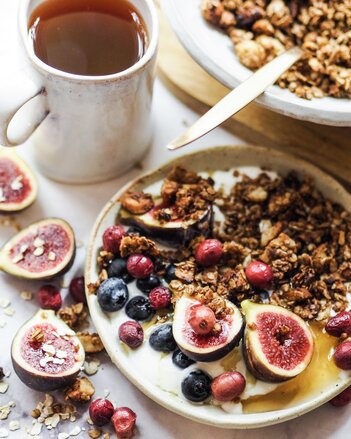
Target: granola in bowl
point(262, 29)
point(238, 314)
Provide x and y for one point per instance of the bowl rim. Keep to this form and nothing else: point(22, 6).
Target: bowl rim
point(308, 110)
point(163, 398)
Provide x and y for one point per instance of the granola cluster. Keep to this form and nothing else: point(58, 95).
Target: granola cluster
point(263, 29)
point(284, 222)
point(303, 236)
point(188, 194)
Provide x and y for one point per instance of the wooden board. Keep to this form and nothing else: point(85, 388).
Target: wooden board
point(327, 147)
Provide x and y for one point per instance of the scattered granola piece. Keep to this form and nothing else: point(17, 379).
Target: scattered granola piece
point(26, 295)
point(9, 311)
point(81, 390)
point(74, 316)
point(91, 342)
point(95, 433)
point(134, 244)
point(137, 203)
point(4, 432)
point(3, 387)
point(36, 429)
point(14, 425)
point(76, 431)
point(91, 367)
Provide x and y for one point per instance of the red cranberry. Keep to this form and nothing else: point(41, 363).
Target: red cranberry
point(77, 289)
point(160, 297)
point(101, 411)
point(202, 319)
point(259, 274)
point(49, 297)
point(131, 333)
point(342, 399)
point(209, 252)
point(123, 421)
point(339, 324)
point(228, 386)
point(140, 266)
point(112, 238)
point(342, 355)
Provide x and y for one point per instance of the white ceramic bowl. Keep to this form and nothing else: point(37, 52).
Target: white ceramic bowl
point(213, 50)
point(220, 158)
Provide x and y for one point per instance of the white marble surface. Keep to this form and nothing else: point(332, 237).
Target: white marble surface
point(80, 205)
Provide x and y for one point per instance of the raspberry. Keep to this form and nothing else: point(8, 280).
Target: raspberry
point(139, 266)
point(77, 289)
point(49, 297)
point(160, 297)
point(131, 333)
point(123, 421)
point(112, 238)
point(202, 319)
point(209, 252)
point(259, 274)
point(101, 411)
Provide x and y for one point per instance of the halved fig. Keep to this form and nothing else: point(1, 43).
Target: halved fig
point(169, 232)
point(278, 345)
point(43, 250)
point(206, 347)
point(18, 185)
point(46, 353)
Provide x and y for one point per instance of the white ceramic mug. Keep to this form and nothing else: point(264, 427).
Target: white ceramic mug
point(83, 128)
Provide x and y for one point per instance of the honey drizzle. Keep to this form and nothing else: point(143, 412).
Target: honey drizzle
point(320, 374)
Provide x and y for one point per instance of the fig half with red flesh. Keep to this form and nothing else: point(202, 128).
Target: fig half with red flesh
point(170, 232)
point(278, 345)
point(18, 185)
point(206, 347)
point(43, 250)
point(46, 353)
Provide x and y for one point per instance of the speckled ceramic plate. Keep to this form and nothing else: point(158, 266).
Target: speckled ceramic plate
point(213, 50)
point(221, 158)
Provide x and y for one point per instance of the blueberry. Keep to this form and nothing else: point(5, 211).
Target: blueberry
point(148, 283)
point(138, 308)
point(112, 294)
point(133, 230)
point(264, 296)
point(128, 278)
point(162, 340)
point(117, 267)
point(170, 273)
point(196, 386)
point(181, 360)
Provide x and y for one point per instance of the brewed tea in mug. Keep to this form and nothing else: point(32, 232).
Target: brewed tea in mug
point(88, 37)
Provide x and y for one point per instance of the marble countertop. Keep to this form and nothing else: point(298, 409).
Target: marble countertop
point(79, 205)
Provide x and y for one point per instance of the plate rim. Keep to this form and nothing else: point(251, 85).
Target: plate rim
point(278, 104)
point(163, 398)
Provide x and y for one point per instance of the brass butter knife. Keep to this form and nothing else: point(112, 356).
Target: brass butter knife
point(238, 98)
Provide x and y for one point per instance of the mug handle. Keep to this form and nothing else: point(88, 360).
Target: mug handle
point(15, 92)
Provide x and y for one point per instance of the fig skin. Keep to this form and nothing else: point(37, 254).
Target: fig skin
point(31, 377)
point(29, 175)
point(13, 269)
point(171, 235)
point(259, 368)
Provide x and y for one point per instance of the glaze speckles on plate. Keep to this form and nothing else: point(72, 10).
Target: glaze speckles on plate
point(153, 379)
